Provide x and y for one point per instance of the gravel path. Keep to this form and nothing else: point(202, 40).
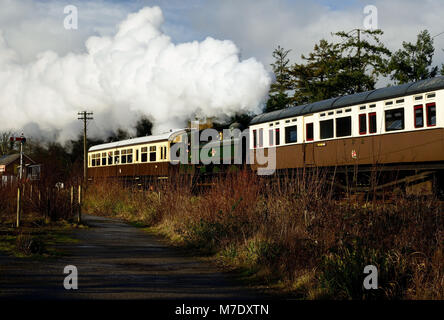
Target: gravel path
point(118, 261)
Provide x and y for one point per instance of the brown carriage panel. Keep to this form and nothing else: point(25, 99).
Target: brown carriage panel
point(353, 151)
point(325, 153)
point(286, 157)
point(289, 156)
point(417, 146)
point(154, 169)
point(308, 155)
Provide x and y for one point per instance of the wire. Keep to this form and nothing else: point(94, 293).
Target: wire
point(438, 34)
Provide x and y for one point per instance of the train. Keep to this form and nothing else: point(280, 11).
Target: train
point(397, 129)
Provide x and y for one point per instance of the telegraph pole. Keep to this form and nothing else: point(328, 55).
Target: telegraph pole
point(22, 140)
point(84, 116)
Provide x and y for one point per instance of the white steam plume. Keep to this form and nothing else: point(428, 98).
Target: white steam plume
point(137, 72)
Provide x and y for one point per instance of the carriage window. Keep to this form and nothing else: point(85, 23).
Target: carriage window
point(110, 158)
point(95, 160)
point(394, 119)
point(270, 138)
point(278, 137)
point(261, 137)
point(309, 131)
point(326, 129)
point(291, 134)
point(153, 153)
point(129, 153)
point(363, 123)
point(144, 154)
point(127, 156)
point(372, 122)
point(343, 127)
point(164, 153)
point(254, 139)
point(116, 157)
point(103, 158)
point(419, 116)
point(431, 114)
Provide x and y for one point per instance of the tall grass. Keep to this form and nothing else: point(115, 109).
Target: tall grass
point(292, 232)
point(42, 199)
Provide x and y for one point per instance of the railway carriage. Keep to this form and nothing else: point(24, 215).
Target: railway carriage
point(133, 158)
point(396, 128)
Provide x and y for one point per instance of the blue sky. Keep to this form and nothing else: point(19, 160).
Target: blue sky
point(255, 26)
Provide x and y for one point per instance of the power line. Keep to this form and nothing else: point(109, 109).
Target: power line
point(437, 34)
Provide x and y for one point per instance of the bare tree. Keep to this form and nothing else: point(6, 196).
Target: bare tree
point(6, 145)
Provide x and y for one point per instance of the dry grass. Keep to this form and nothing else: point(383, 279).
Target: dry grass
point(293, 234)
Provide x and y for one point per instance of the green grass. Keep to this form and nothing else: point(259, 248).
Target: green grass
point(47, 236)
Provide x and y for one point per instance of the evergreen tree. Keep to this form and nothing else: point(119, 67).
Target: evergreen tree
point(414, 61)
point(317, 78)
point(278, 95)
point(363, 60)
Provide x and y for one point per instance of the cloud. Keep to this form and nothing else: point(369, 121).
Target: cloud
point(48, 73)
point(139, 70)
point(31, 27)
point(260, 26)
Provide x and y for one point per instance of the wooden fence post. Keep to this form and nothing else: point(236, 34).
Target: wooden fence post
point(19, 195)
point(72, 200)
point(48, 206)
point(79, 218)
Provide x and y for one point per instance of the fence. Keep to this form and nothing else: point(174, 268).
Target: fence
point(36, 199)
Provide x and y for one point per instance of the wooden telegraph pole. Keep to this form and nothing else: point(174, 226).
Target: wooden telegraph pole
point(84, 116)
point(20, 188)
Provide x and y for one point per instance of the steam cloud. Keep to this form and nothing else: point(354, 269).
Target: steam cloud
point(139, 71)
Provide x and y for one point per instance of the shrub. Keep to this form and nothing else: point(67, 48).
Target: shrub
point(295, 229)
point(341, 272)
point(27, 245)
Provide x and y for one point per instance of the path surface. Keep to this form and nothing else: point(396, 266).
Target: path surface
point(118, 261)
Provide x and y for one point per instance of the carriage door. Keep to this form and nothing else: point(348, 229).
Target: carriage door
point(309, 125)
